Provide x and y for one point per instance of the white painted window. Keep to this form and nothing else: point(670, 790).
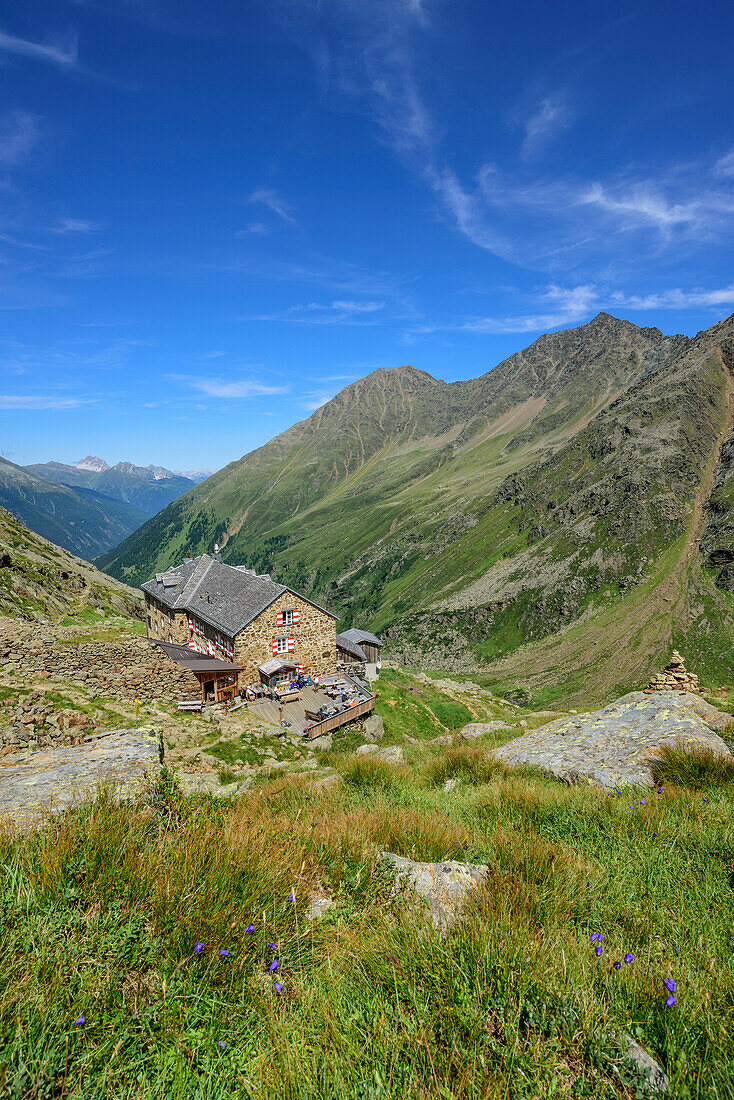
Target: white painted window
point(282, 645)
point(287, 618)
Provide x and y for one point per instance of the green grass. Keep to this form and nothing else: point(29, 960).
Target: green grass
point(100, 914)
point(697, 768)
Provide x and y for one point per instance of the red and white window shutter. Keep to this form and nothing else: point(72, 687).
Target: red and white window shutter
point(296, 616)
point(291, 645)
point(275, 646)
point(279, 618)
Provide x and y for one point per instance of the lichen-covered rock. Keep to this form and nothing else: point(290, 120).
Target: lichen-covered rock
point(33, 783)
point(392, 754)
point(444, 886)
point(374, 728)
point(618, 745)
point(478, 729)
point(653, 1078)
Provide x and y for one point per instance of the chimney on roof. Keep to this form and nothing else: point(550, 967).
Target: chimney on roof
point(217, 555)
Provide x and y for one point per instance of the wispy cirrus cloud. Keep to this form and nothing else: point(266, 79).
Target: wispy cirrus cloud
point(544, 122)
point(74, 225)
point(62, 51)
point(549, 222)
point(41, 401)
point(339, 312)
point(556, 306)
point(274, 203)
point(19, 136)
point(562, 306)
point(224, 387)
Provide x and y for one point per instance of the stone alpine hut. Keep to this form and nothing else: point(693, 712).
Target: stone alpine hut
point(232, 614)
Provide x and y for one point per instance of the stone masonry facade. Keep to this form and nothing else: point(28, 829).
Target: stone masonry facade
point(314, 637)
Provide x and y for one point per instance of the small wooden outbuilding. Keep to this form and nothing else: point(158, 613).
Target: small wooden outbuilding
point(218, 680)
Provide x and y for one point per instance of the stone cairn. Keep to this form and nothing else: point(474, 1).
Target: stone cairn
point(674, 677)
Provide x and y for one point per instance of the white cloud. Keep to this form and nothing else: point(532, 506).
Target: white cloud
point(254, 229)
point(31, 401)
point(677, 298)
point(549, 117)
point(273, 202)
point(61, 51)
point(19, 134)
point(339, 312)
point(725, 165)
point(564, 306)
point(220, 387)
point(75, 225)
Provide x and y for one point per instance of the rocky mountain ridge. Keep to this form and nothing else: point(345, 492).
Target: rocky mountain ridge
point(464, 520)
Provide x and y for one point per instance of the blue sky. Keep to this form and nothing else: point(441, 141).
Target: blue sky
point(214, 216)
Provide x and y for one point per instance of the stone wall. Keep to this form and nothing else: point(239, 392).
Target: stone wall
point(315, 639)
point(127, 667)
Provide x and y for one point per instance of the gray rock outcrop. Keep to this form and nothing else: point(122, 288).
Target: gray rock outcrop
point(33, 783)
point(618, 745)
point(444, 886)
point(374, 728)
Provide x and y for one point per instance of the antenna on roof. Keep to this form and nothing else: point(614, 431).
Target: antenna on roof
point(217, 553)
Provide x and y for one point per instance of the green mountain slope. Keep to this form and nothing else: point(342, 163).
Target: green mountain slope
point(466, 520)
point(142, 486)
point(41, 581)
point(80, 520)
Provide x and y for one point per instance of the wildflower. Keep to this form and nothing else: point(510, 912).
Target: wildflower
point(290, 896)
point(670, 1001)
point(629, 957)
point(594, 937)
point(278, 987)
point(660, 790)
point(199, 947)
point(617, 964)
point(669, 984)
point(79, 1021)
point(655, 834)
point(642, 802)
point(221, 1044)
point(598, 949)
point(705, 799)
point(224, 953)
point(600, 938)
point(250, 928)
point(274, 965)
point(677, 950)
point(271, 946)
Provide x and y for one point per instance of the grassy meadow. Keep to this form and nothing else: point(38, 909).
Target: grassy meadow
point(139, 940)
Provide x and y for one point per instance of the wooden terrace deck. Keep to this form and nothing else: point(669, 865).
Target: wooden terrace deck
point(311, 699)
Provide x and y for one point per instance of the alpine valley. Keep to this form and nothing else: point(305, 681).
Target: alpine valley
point(556, 524)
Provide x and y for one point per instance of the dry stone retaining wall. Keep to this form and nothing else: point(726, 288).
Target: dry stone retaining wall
point(128, 667)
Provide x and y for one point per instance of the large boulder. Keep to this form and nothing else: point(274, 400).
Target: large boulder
point(620, 744)
point(444, 886)
point(33, 783)
point(478, 729)
point(374, 728)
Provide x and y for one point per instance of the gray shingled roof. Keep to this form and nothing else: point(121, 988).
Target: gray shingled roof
point(358, 636)
point(350, 647)
point(196, 662)
point(226, 597)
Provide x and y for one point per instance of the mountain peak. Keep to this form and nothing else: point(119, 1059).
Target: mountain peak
point(92, 462)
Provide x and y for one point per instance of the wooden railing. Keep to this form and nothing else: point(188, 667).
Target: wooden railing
point(341, 719)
